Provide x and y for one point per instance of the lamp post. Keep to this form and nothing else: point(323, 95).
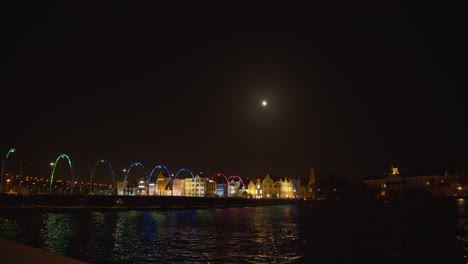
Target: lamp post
point(20, 173)
point(3, 167)
point(51, 168)
point(91, 181)
point(125, 182)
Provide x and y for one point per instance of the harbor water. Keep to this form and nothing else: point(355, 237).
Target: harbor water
point(433, 231)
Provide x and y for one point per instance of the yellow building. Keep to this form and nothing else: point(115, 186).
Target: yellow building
point(284, 189)
point(162, 185)
point(210, 188)
point(288, 191)
point(196, 187)
point(267, 186)
point(178, 187)
point(254, 189)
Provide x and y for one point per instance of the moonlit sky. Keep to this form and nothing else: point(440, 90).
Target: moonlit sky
point(351, 88)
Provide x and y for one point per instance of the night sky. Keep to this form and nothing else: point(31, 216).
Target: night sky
point(352, 88)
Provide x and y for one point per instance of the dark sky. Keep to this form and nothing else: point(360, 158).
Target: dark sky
point(352, 87)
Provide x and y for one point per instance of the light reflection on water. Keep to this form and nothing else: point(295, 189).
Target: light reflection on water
point(272, 234)
point(336, 233)
point(57, 232)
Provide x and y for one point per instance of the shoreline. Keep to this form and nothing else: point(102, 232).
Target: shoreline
point(122, 203)
point(126, 203)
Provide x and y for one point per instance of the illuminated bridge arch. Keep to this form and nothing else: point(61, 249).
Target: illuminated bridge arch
point(159, 167)
point(182, 170)
point(292, 184)
point(130, 168)
point(281, 184)
point(220, 175)
point(294, 187)
point(55, 165)
point(94, 169)
point(236, 177)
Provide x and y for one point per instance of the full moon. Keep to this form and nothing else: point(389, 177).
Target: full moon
point(264, 103)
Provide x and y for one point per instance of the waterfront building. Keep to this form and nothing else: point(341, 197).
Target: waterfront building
point(276, 189)
point(311, 186)
point(233, 188)
point(162, 185)
point(255, 189)
point(299, 190)
point(395, 185)
point(142, 187)
point(242, 192)
point(196, 187)
point(131, 188)
point(220, 189)
point(287, 190)
point(152, 188)
point(283, 189)
point(120, 187)
point(211, 188)
point(267, 187)
point(178, 186)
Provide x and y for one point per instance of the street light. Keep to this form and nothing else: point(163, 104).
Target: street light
point(7, 182)
point(3, 167)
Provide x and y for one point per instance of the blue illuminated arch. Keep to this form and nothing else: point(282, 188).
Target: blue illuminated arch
point(182, 170)
point(160, 167)
point(237, 177)
point(110, 168)
point(294, 186)
point(130, 168)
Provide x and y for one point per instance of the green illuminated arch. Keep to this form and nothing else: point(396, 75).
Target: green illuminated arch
point(10, 151)
point(55, 165)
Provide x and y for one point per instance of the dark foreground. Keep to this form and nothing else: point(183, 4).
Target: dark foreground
point(16, 252)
